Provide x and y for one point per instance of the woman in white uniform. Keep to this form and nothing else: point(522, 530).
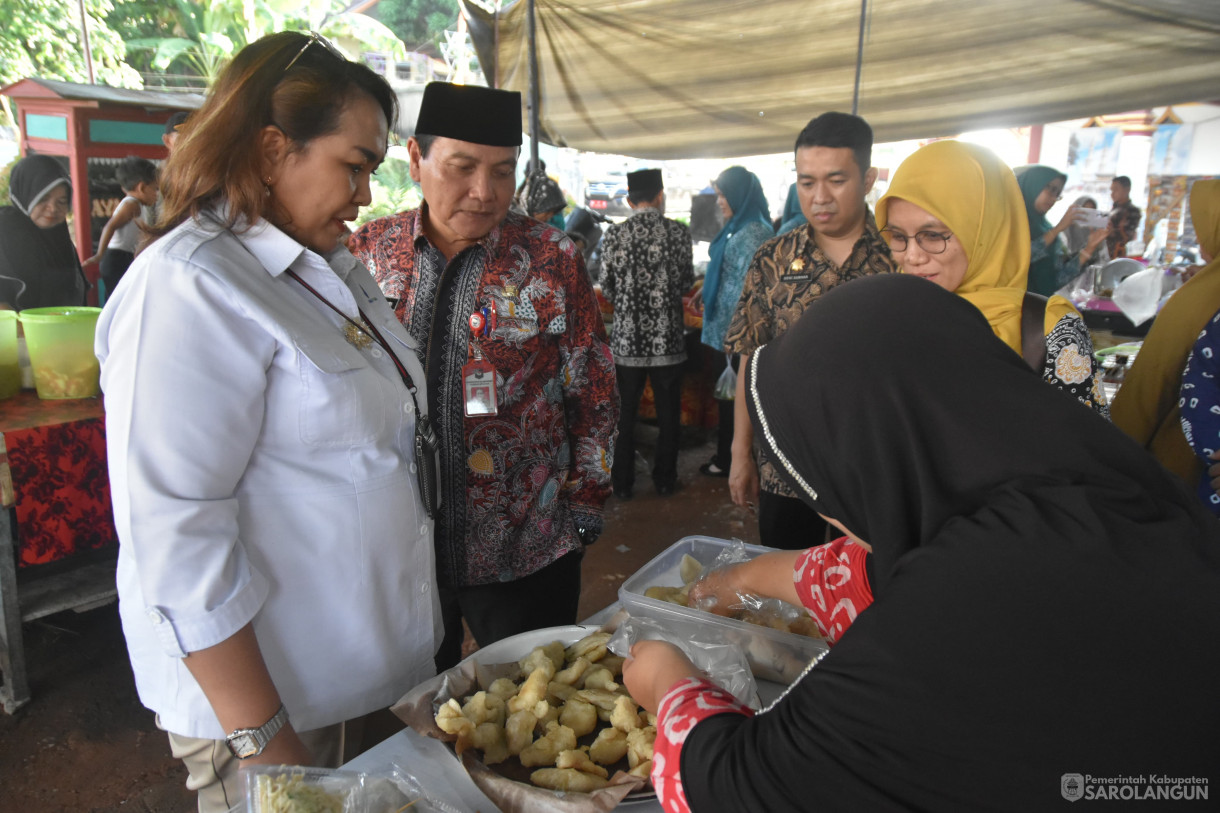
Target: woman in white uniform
point(276, 573)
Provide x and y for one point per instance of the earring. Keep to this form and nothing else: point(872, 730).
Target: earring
point(267, 185)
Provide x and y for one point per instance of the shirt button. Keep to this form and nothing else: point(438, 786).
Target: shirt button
point(506, 575)
point(423, 588)
point(423, 530)
point(412, 468)
point(376, 353)
point(408, 408)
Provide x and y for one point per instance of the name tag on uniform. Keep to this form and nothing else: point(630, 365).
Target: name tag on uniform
point(797, 272)
point(479, 389)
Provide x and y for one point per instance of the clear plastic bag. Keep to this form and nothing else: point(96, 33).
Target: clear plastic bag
point(724, 664)
point(726, 385)
point(1138, 295)
point(391, 788)
point(297, 789)
point(764, 612)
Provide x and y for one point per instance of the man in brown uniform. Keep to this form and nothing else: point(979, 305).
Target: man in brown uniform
point(839, 244)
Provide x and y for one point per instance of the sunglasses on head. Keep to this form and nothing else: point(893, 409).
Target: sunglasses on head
point(315, 37)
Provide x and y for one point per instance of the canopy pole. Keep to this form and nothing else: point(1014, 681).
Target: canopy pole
point(855, 94)
point(535, 117)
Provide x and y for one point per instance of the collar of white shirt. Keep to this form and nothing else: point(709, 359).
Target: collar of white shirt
point(276, 251)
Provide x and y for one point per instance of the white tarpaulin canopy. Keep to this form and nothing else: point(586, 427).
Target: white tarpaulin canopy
point(718, 78)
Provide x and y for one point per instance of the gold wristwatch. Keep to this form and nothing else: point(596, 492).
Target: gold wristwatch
point(250, 742)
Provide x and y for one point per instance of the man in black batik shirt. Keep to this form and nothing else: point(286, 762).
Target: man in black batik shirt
point(647, 267)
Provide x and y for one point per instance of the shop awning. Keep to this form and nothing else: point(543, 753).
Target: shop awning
point(717, 78)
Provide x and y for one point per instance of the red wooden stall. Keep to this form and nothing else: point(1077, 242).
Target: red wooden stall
point(92, 127)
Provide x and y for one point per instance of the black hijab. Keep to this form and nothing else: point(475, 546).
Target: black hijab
point(945, 422)
point(1047, 597)
point(38, 267)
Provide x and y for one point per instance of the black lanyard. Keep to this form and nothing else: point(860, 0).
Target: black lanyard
point(366, 327)
point(425, 436)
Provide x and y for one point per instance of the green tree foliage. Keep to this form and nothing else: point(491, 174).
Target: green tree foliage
point(197, 38)
point(392, 188)
point(143, 20)
point(43, 38)
point(419, 23)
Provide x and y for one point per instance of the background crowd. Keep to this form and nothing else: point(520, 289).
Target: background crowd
point(362, 445)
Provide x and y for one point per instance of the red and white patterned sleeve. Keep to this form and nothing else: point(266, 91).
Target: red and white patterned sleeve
point(833, 585)
point(688, 702)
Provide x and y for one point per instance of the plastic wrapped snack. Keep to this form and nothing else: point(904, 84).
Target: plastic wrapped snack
point(294, 789)
point(779, 639)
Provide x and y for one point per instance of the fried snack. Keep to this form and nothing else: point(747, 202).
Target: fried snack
point(601, 678)
point(567, 779)
point(609, 747)
point(689, 569)
point(626, 714)
point(612, 662)
point(559, 693)
point(639, 745)
point(546, 713)
point(579, 716)
point(489, 738)
point(503, 688)
point(545, 750)
point(573, 673)
point(533, 690)
point(649, 718)
point(564, 695)
point(465, 739)
point(484, 708)
point(544, 657)
point(579, 760)
point(449, 718)
point(519, 731)
point(643, 770)
point(601, 698)
point(592, 647)
point(805, 625)
point(669, 594)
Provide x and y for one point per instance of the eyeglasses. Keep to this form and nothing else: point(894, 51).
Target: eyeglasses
point(932, 242)
point(313, 37)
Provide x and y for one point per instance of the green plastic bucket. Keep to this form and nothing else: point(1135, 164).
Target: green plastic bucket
point(60, 341)
point(10, 370)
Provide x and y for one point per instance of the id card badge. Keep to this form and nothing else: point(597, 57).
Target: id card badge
point(479, 388)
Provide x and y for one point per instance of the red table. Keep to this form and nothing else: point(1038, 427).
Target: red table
point(53, 476)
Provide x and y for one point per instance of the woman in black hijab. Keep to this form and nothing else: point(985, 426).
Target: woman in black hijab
point(1047, 598)
point(38, 263)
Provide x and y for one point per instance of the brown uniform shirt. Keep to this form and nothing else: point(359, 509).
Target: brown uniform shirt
point(787, 274)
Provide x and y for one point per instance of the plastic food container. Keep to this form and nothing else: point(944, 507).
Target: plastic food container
point(10, 369)
point(773, 654)
point(60, 342)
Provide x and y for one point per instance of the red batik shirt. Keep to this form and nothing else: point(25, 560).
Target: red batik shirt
point(515, 485)
point(833, 586)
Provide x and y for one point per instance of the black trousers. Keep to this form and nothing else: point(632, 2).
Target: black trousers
point(667, 393)
point(114, 265)
point(788, 523)
point(548, 598)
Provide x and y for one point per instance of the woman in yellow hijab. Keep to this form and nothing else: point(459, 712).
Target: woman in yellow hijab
point(1146, 407)
point(954, 215)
